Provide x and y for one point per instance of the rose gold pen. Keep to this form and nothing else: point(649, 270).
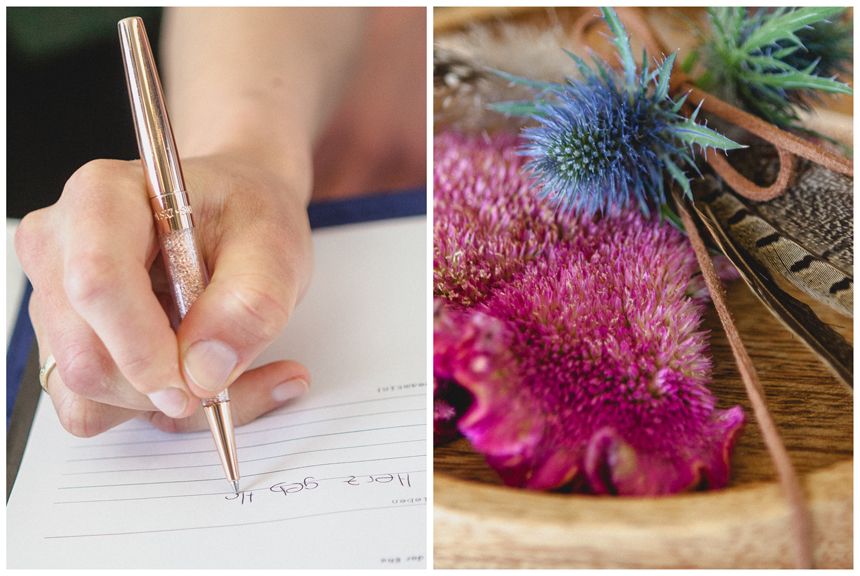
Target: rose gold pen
point(174, 222)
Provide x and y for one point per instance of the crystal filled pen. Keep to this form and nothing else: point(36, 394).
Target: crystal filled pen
point(174, 222)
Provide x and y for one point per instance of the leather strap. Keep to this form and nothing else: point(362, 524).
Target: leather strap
point(788, 146)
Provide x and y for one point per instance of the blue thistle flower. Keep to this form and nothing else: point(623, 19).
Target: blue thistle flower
point(597, 143)
point(607, 138)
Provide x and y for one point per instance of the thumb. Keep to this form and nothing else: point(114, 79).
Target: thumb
point(247, 304)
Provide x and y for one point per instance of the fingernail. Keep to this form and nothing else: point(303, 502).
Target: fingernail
point(171, 401)
point(289, 390)
point(209, 364)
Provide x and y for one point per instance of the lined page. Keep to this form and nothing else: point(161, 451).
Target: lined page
point(336, 479)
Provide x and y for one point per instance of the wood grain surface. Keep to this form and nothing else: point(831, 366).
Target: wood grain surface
point(480, 526)
point(480, 523)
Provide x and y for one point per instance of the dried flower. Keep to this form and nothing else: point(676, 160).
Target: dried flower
point(772, 61)
point(583, 362)
point(467, 349)
point(609, 137)
point(479, 243)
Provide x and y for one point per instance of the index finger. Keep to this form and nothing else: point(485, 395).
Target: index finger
point(109, 247)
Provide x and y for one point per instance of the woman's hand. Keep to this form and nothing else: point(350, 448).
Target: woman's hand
point(249, 92)
point(90, 259)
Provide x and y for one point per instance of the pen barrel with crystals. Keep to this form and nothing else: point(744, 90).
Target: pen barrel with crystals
point(174, 219)
point(183, 258)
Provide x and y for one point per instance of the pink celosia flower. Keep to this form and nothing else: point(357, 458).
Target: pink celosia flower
point(573, 337)
point(493, 225)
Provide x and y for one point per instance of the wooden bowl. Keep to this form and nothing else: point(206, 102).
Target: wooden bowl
point(479, 523)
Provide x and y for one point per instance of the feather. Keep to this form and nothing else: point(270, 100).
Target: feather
point(834, 350)
point(805, 235)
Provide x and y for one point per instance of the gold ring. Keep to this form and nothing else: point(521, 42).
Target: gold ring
point(49, 365)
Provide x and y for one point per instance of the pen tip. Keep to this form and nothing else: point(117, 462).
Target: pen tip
point(235, 485)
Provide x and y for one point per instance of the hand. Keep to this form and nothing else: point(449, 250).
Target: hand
point(89, 258)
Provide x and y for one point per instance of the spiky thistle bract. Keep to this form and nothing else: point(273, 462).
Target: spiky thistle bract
point(611, 137)
point(774, 61)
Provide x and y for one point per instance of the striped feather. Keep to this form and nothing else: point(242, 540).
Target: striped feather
point(835, 351)
point(805, 236)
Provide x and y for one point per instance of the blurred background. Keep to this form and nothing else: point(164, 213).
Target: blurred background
point(66, 98)
point(67, 104)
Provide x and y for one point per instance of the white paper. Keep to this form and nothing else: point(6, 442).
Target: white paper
point(336, 479)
